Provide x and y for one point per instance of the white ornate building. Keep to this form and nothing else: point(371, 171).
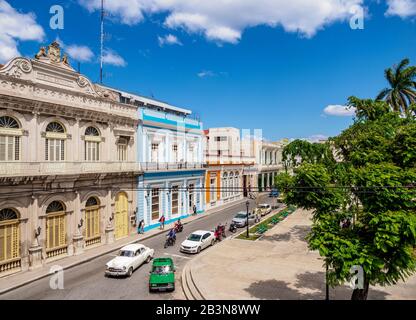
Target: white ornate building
point(68, 162)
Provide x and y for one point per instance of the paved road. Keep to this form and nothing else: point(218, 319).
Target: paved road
point(87, 281)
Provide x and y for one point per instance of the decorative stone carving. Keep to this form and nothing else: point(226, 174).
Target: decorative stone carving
point(54, 52)
point(35, 257)
point(41, 53)
point(17, 67)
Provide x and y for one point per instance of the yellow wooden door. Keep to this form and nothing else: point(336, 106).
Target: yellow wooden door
point(55, 231)
point(9, 241)
point(121, 216)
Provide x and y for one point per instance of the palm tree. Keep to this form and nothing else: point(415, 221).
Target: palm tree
point(402, 91)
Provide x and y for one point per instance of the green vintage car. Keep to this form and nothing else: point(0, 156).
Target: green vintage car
point(162, 275)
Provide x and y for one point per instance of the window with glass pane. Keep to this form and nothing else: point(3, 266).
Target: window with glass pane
point(155, 204)
point(213, 195)
point(54, 150)
point(92, 148)
point(122, 152)
point(9, 143)
point(92, 151)
point(175, 200)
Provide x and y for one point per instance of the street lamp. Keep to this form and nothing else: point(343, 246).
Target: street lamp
point(248, 206)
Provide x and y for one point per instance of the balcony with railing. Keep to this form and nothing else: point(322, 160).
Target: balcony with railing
point(212, 159)
point(171, 166)
point(17, 169)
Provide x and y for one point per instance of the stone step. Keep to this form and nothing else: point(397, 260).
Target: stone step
point(188, 285)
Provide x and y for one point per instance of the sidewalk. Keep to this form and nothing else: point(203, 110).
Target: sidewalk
point(277, 266)
point(20, 279)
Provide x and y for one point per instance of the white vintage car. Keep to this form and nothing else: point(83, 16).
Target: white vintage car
point(197, 241)
point(129, 258)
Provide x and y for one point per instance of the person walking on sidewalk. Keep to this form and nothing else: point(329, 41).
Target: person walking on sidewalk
point(140, 229)
point(162, 222)
point(194, 210)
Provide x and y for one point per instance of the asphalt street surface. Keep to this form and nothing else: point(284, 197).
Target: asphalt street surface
point(87, 280)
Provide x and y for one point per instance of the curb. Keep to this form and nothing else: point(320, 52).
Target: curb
point(98, 255)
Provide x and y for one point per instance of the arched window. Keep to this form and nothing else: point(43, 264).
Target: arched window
point(9, 139)
point(236, 183)
point(55, 229)
point(55, 142)
point(9, 240)
point(231, 184)
point(224, 185)
point(92, 221)
point(92, 144)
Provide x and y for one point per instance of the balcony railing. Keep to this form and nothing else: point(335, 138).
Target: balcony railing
point(168, 166)
point(215, 159)
point(14, 169)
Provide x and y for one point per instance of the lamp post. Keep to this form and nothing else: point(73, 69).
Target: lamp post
point(248, 206)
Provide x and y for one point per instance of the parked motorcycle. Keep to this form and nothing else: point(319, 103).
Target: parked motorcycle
point(233, 227)
point(219, 232)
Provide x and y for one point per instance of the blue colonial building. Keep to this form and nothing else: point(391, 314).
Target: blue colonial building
point(170, 151)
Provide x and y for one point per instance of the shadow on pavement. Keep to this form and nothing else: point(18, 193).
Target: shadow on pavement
point(308, 286)
point(298, 232)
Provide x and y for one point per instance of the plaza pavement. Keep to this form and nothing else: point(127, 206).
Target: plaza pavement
point(277, 266)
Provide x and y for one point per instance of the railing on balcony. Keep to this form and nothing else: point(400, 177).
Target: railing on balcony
point(168, 166)
point(12, 169)
point(215, 159)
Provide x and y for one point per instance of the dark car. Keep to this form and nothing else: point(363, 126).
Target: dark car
point(274, 193)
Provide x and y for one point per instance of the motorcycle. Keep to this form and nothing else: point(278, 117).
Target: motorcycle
point(170, 241)
point(232, 228)
point(219, 232)
point(178, 228)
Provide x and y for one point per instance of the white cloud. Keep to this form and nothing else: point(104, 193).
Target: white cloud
point(226, 20)
point(339, 111)
point(401, 8)
point(206, 74)
point(113, 58)
point(317, 138)
point(80, 53)
point(15, 26)
point(169, 39)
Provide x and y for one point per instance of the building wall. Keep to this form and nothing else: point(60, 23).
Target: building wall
point(36, 93)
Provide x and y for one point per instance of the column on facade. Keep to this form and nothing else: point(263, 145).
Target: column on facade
point(36, 241)
point(168, 148)
point(33, 140)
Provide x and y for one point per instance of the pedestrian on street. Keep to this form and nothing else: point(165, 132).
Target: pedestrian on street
point(162, 222)
point(140, 229)
point(194, 210)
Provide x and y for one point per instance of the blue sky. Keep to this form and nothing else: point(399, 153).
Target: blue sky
point(274, 68)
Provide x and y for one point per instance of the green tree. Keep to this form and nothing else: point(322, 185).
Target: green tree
point(302, 151)
point(402, 90)
point(372, 185)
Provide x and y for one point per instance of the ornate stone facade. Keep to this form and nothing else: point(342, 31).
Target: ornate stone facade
point(68, 162)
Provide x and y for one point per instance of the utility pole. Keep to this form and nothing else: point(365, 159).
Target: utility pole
point(102, 41)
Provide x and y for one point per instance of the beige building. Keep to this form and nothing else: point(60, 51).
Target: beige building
point(228, 176)
point(269, 162)
point(67, 162)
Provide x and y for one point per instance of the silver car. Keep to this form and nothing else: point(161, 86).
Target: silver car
point(240, 219)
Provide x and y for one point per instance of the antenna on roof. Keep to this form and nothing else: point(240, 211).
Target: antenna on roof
point(102, 42)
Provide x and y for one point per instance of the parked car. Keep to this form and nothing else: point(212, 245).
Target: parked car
point(264, 209)
point(240, 219)
point(162, 275)
point(198, 241)
point(274, 193)
point(129, 259)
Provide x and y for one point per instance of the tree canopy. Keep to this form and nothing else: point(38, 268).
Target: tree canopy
point(372, 185)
